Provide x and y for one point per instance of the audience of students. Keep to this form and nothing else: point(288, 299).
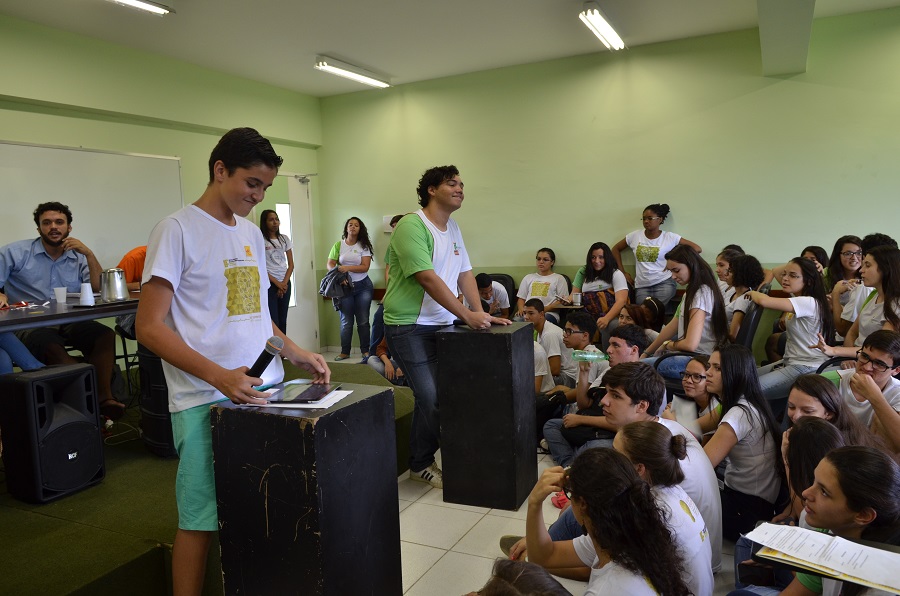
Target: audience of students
point(545, 285)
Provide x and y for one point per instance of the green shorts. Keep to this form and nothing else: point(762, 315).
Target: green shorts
point(195, 485)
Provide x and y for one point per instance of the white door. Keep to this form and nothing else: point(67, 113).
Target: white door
point(303, 315)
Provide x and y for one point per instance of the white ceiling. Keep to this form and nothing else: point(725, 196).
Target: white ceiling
point(276, 41)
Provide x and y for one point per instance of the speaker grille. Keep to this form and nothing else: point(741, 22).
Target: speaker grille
point(70, 457)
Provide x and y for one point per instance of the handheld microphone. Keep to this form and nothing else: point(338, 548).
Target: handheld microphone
point(273, 347)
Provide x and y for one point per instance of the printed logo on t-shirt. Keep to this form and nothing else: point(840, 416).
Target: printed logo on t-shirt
point(646, 254)
point(242, 284)
point(455, 249)
point(248, 252)
point(540, 288)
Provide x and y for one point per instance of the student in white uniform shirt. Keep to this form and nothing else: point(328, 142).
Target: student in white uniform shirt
point(551, 338)
point(845, 309)
point(624, 523)
point(545, 285)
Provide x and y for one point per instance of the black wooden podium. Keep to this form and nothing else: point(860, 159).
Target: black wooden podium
point(307, 499)
point(486, 394)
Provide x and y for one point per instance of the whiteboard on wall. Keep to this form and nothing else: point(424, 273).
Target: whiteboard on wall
point(115, 198)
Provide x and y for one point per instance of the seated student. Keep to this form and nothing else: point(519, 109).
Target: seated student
point(648, 315)
point(693, 383)
point(748, 436)
point(656, 454)
point(626, 342)
point(386, 366)
point(870, 391)
point(723, 270)
point(623, 520)
point(634, 390)
point(843, 266)
point(809, 315)
point(545, 285)
point(13, 351)
point(744, 274)
point(378, 317)
point(543, 380)
point(520, 578)
point(881, 310)
point(814, 396)
point(855, 495)
point(494, 294)
point(603, 288)
point(846, 310)
point(551, 338)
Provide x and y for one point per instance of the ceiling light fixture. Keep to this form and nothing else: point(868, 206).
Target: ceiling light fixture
point(597, 23)
point(146, 5)
point(349, 71)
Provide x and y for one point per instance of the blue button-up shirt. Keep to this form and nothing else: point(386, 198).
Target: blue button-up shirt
point(27, 272)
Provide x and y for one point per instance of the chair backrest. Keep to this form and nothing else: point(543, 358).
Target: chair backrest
point(507, 282)
point(751, 320)
point(832, 362)
point(568, 282)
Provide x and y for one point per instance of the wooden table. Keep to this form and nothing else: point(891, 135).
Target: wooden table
point(17, 319)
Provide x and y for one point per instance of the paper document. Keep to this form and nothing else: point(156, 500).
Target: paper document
point(829, 555)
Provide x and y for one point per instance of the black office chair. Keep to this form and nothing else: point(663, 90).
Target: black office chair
point(508, 284)
point(832, 362)
point(129, 359)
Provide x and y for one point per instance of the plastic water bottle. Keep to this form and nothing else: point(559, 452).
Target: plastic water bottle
point(588, 356)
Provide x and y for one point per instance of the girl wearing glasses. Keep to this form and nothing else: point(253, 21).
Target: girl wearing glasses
point(603, 288)
point(545, 285)
point(881, 271)
point(843, 266)
point(748, 435)
point(809, 316)
point(624, 522)
point(650, 246)
point(699, 403)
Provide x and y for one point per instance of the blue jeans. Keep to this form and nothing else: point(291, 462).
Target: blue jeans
point(776, 383)
point(12, 350)
point(414, 347)
point(563, 452)
point(743, 550)
point(376, 363)
point(356, 306)
point(566, 527)
point(278, 307)
point(377, 328)
point(664, 291)
point(670, 368)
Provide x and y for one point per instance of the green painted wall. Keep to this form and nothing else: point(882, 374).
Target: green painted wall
point(568, 152)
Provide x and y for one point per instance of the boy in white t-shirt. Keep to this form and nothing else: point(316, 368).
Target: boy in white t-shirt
point(203, 312)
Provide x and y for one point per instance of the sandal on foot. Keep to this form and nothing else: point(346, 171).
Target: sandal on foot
point(341, 357)
point(559, 500)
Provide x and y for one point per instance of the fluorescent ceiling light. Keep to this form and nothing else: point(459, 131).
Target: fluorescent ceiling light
point(152, 7)
point(596, 22)
point(349, 71)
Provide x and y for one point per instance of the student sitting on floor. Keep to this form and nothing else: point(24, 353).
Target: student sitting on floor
point(551, 338)
point(386, 366)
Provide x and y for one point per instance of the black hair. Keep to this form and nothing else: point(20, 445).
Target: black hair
point(521, 578)
point(584, 322)
point(433, 178)
point(740, 379)
point(835, 269)
point(51, 206)
point(362, 237)
point(243, 148)
point(701, 275)
point(657, 312)
point(550, 252)
point(609, 264)
point(624, 518)
point(535, 303)
point(729, 256)
point(888, 260)
point(639, 381)
point(660, 209)
point(396, 219)
point(746, 272)
point(818, 253)
point(264, 228)
point(886, 341)
point(811, 439)
point(654, 445)
point(734, 247)
point(633, 336)
point(842, 418)
point(483, 280)
point(814, 285)
point(870, 241)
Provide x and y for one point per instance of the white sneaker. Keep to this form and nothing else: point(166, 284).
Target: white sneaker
point(432, 475)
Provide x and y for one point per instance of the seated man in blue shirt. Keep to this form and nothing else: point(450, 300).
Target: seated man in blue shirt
point(30, 269)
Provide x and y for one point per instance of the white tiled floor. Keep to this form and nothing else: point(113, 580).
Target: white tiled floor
point(449, 549)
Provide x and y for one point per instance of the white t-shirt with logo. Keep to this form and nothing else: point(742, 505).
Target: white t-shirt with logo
point(543, 287)
point(650, 256)
point(350, 254)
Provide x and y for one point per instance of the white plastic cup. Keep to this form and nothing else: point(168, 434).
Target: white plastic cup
point(576, 299)
point(87, 295)
point(60, 294)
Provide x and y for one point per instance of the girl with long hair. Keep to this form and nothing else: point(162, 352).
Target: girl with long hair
point(697, 402)
point(809, 316)
point(544, 285)
point(881, 271)
point(603, 287)
point(656, 455)
point(650, 246)
point(744, 274)
point(818, 397)
point(279, 267)
point(353, 254)
point(623, 522)
point(843, 266)
point(699, 324)
point(748, 435)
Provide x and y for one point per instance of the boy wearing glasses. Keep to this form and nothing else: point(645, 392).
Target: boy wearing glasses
point(870, 390)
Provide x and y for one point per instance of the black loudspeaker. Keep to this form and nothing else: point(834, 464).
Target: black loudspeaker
point(156, 422)
point(52, 444)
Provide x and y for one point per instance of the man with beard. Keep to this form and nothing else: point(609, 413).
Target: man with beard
point(30, 269)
